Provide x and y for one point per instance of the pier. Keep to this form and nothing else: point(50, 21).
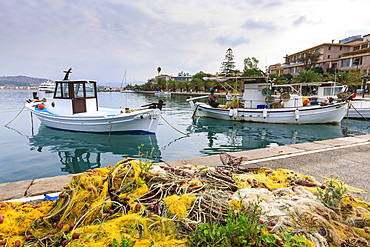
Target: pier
point(346, 157)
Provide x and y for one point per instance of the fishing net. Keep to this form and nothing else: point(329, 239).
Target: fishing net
point(159, 206)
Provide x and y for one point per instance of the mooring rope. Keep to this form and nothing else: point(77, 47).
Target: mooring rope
point(359, 113)
point(15, 116)
point(173, 127)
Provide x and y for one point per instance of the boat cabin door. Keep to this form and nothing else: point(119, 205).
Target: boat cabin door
point(78, 97)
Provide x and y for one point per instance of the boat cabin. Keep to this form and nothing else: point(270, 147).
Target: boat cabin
point(74, 97)
point(256, 89)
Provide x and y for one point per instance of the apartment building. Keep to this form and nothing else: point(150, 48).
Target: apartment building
point(350, 53)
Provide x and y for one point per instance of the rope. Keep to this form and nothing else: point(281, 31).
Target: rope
point(173, 127)
point(15, 116)
point(359, 113)
point(110, 130)
point(195, 111)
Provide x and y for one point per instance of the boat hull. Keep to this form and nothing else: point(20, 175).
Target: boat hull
point(140, 121)
point(331, 114)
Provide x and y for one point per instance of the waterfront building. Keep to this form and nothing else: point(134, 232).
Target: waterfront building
point(182, 76)
point(350, 53)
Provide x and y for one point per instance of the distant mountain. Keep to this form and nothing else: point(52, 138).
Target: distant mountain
point(20, 80)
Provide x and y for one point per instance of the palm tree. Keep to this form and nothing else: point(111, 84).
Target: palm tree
point(159, 70)
point(306, 76)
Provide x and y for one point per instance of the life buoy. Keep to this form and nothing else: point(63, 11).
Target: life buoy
point(285, 97)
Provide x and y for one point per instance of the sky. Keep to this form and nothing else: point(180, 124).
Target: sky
point(101, 39)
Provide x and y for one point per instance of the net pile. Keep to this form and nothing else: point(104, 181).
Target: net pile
point(159, 205)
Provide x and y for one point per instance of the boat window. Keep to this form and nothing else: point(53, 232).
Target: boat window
point(62, 90)
point(58, 92)
point(90, 90)
point(65, 91)
point(328, 91)
point(78, 89)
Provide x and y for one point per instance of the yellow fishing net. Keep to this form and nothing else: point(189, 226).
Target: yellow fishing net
point(158, 205)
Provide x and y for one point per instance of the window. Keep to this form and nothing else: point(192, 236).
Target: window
point(78, 89)
point(340, 48)
point(329, 48)
point(357, 61)
point(346, 63)
point(356, 48)
point(90, 90)
point(365, 46)
point(328, 56)
point(62, 90)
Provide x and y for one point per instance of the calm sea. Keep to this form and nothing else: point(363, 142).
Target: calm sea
point(29, 150)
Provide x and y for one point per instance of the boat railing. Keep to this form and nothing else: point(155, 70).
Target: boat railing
point(200, 97)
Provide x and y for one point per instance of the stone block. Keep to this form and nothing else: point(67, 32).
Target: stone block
point(14, 190)
point(48, 185)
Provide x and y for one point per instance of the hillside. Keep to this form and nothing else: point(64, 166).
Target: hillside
point(20, 80)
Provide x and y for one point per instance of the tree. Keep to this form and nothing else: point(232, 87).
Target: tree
point(251, 68)
point(200, 75)
point(317, 70)
point(306, 76)
point(250, 63)
point(228, 65)
point(332, 70)
point(349, 78)
point(309, 59)
point(159, 69)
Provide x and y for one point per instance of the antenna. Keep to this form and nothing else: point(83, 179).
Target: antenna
point(67, 74)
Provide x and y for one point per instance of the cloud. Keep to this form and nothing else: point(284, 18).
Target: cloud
point(102, 39)
point(300, 20)
point(230, 42)
point(259, 25)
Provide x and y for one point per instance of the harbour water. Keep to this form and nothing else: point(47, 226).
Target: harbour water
point(29, 150)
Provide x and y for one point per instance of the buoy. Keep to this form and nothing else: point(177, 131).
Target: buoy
point(231, 113)
point(354, 96)
point(296, 114)
point(41, 106)
point(305, 101)
point(235, 113)
point(264, 113)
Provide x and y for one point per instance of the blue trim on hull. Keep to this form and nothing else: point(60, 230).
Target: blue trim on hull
point(105, 132)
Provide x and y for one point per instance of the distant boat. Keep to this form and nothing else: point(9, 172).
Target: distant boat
point(74, 107)
point(163, 94)
point(125, 90)
point(47, 86)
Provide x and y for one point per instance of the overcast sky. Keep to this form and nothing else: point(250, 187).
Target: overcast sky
point(100, 39)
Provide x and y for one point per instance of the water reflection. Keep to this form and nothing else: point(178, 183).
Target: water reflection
point(233, 136)
point(79, 160)
point(79, 152)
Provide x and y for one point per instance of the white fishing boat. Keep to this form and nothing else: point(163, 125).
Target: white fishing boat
point(74, 107)
point(127, 91)
point(163, 94)
point(47, 86)
point(259, 106)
